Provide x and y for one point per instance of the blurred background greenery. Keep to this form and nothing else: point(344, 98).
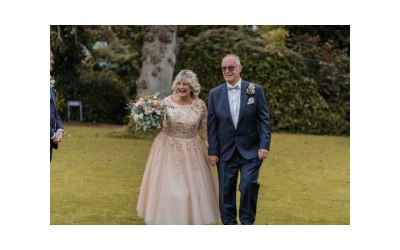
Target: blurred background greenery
point(304, 70)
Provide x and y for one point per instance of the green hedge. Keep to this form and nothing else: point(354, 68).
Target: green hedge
point(293, 94)
point(103, 97)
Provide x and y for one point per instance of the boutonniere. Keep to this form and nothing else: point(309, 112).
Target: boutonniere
point(251, 90)
point(52, 81)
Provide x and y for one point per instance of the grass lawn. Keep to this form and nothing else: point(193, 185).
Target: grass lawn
point(96, 173)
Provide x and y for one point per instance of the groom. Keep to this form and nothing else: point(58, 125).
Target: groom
point(239, 136)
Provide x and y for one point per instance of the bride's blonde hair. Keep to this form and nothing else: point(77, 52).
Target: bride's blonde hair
point(190, 77)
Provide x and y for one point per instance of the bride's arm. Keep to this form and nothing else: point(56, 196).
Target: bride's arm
point(164, 119)
point(203, 124)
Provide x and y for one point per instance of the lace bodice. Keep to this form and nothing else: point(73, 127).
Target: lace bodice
point(185, 121)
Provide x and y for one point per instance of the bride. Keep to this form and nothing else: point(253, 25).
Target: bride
point(178, 185)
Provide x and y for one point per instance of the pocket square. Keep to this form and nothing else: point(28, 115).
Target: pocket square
point(250, 101)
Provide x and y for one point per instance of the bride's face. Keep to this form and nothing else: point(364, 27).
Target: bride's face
point(183, 89)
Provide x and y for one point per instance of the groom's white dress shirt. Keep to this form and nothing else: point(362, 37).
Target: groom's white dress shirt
point(234, 100)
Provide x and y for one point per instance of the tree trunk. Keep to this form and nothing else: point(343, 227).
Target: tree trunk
point(158, 59)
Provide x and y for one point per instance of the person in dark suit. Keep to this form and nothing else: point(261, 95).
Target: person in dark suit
point(239, 138)
point(56, 124)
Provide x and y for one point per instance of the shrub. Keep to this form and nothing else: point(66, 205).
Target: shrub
point(103, 97)
point(294, 101)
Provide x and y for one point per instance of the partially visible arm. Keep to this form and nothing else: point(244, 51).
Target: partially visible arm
point(59, 123)
point(263, 120)
point(203, 124)
point(60, 129)
point(212, 128)
point(52, 133)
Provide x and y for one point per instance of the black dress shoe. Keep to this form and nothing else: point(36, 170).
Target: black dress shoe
point(246, 223)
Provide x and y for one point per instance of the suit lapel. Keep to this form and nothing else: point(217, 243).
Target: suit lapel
point(243, 99)
point(225, 101)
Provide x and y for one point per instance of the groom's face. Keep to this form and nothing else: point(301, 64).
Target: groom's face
point(231, 70)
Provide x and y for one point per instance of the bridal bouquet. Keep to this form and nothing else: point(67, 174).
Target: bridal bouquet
point(148, 111)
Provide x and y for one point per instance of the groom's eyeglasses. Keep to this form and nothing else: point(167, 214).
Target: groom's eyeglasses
point(229, 68)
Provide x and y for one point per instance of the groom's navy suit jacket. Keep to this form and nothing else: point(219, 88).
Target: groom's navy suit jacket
point(253, 129)
point(55, 120)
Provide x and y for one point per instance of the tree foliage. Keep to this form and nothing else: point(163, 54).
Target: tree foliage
point(330, 67)
point(338, 33)
point(91, 61)
point(295, 89)
point(304, 70)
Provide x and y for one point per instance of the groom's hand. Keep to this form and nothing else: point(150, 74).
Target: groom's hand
point(213, 160)
point(262, 153)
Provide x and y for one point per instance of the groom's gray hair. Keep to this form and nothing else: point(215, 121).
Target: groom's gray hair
point(190, 77)
point(237, 59)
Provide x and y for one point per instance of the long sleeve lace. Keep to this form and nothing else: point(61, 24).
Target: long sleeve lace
point(203, 123)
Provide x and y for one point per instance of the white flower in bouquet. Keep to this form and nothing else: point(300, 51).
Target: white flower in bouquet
point(148, 111)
